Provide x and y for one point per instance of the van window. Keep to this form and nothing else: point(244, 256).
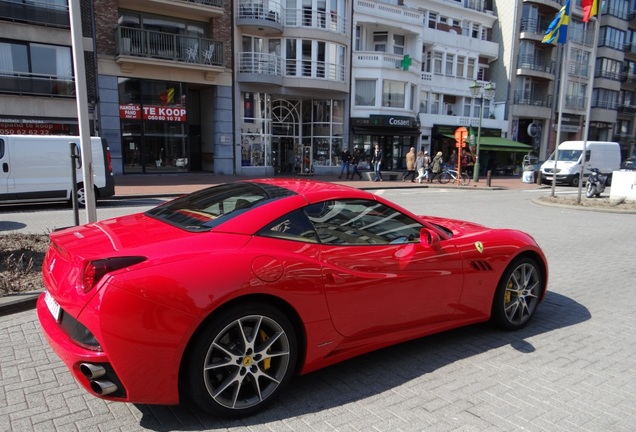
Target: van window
point(1, 148)
point(588, 153)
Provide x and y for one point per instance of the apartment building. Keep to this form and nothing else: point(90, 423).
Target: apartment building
point(292, 68)
point(37, 87)
point(534, 73)
point(164, 84)
point(413, 67)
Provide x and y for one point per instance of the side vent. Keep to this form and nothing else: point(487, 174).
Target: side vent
point(480, 265)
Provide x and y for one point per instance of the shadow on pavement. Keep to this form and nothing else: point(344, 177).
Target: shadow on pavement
point(377, 372)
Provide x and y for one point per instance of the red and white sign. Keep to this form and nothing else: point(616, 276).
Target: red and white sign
point(130, 112)
point(34, 128)
point(152, 113)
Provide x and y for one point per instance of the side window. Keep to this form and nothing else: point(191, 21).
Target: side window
point(361, 222)
point(293, 226)
point(588, 153)
point(1, 148)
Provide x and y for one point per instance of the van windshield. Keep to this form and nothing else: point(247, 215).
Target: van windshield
point(567, 155)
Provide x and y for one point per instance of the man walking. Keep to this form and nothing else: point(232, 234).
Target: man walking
point(410, 165)
point(376, 160)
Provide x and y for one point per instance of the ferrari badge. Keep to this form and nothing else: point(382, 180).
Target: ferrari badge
point(479, 246)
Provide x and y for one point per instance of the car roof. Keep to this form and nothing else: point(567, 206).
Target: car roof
point(315, 190)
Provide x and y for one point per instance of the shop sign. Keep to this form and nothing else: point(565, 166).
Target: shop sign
point(32, 128)
point(152, 113)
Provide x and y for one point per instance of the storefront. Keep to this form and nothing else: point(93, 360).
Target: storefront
point(290, 136)
point(499, 155)
point(155, 121)
point(394, 134)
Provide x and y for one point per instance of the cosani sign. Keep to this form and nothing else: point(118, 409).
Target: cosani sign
point(385, 121)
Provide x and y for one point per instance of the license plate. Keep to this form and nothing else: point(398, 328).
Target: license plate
point(53, 306)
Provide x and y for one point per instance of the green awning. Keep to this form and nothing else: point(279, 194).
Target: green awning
point(499, 144)
point(502, 144)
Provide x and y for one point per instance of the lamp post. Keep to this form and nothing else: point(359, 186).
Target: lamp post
point(485, 92)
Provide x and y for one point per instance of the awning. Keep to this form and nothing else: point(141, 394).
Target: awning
point(499, 144)
point(502, 144)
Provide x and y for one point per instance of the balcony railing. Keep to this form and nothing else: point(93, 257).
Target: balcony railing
point(533, 25)
point(533, 99)
point(315, 19)
point(630, 47)
point(36, 84)
point(259, 63)
point(575, 102)
point(626, 108)
point(35, 12)
point(260, 10)
point(168, 46)
point(533, 63)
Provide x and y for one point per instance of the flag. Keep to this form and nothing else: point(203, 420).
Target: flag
point(168, 96)
point(558, 29)
point(590, 8)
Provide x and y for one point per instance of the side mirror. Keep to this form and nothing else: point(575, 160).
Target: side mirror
point(428, 238)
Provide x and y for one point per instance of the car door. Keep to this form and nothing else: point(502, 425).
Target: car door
point(378, 275)
point(4, 171)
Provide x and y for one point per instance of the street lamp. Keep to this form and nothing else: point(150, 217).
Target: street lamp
point(485, 92)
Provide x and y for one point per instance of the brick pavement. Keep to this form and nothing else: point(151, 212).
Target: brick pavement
point(571, 369)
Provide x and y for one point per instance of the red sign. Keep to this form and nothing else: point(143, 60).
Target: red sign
point(130, 112)
point(460, 137)
point(152, 113)
point(34, 128)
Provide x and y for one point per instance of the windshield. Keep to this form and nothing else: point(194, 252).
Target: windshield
point(208, 208)
point(567, 155)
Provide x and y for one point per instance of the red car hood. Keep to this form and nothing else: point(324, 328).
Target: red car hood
point(458, 227)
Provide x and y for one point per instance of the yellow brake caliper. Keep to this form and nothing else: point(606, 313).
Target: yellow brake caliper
point(268, 361)
point(508, 295)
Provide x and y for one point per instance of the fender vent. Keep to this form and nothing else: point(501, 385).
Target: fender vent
point(481, 265)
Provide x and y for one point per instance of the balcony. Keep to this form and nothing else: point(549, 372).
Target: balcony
point(533, 28)
point(531, 65)
point(137, 46)
point(36, 12)
point(36, 84)
point(382, 60)
point(533, 99)
point(263, 17)
point(259, 67)
point(197, 10)
point(626, 108)
point(575, 103)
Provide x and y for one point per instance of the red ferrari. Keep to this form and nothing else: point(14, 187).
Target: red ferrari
point(222, 295)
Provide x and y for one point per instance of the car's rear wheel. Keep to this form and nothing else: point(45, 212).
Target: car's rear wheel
point(242, 360)
point(518, 294)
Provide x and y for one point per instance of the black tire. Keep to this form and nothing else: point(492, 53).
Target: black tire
point(590, 191)
point(574, 181)
point(518, 294)
point(242, 360)
point(444, 178)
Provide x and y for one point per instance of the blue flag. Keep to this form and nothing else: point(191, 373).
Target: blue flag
point(558, 29)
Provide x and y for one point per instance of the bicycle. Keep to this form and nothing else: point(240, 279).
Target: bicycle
point(451, 174)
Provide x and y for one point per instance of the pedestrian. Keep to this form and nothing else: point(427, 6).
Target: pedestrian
point(345, 158)
point(427, 166)
point(436, 166)
point(419, 166)
point(410, 165)
point(376, 160)
point(355, 160)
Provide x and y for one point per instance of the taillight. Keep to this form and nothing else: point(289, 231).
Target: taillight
point(96, 269)
point(108, 160)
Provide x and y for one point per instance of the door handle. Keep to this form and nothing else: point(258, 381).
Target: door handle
point(332, 278)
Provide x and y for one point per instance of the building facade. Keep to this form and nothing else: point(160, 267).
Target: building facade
point(37, 85)
point(534, 71)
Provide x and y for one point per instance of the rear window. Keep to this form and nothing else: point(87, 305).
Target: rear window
point(209, 208)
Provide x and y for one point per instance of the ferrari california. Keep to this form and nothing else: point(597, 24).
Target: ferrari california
point(221, 296)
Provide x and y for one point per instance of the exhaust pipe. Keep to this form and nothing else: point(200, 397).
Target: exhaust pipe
point(103, 388)
point(92, 371)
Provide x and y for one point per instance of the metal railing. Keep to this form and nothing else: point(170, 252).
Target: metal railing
point(537, 64)
point(533, 25)
point(36, 84)
point(215, 3)
point(315, 19)
point(575, 102)
point(36, 12)
point(259, 63)
point(533, 99)
point(260, 10)
point(168, 46)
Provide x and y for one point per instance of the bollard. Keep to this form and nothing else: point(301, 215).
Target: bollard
point(488, 177)
point(538, 180)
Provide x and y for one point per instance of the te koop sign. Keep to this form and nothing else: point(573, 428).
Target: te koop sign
point(152, 113)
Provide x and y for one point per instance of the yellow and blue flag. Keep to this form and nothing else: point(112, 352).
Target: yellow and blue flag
point(558, 29)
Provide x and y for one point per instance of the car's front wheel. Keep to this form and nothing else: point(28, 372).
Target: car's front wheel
point(242, 360)
point(518, 294)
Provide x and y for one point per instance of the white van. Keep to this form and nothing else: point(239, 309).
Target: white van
point(37, 168)
point(604, 155)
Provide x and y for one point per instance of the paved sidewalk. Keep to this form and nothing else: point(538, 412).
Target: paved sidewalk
point(176, 184)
